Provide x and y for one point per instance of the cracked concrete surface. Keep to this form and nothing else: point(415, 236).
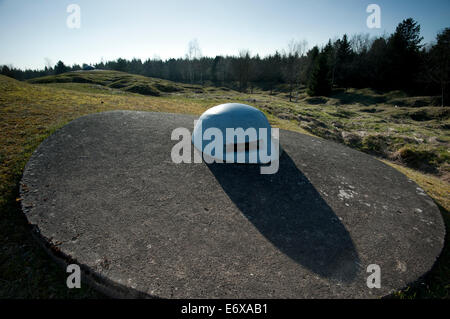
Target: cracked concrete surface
point(104, 193)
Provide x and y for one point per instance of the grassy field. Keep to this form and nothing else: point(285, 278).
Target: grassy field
point(390, 126)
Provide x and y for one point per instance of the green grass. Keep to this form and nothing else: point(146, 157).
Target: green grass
point(110, 80)
point(405, 137)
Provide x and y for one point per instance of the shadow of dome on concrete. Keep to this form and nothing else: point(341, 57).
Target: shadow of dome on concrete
point(287, 209)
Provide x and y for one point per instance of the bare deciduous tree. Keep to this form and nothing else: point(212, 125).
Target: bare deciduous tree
point(291, 71)
point(193, 55)
point(360, 42)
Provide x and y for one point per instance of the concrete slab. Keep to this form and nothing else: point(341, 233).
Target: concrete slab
point(103, 192)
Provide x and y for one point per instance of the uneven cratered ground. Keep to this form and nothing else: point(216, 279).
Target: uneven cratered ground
point(103, 192)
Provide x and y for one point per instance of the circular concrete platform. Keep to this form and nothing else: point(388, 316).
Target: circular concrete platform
point(103, 192)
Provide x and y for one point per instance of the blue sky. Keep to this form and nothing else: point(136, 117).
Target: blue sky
point(35, 31)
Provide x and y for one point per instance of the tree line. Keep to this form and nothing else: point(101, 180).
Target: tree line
point(399, 61)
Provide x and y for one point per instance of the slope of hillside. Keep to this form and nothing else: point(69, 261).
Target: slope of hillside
point(119, 80)
point(418, 137)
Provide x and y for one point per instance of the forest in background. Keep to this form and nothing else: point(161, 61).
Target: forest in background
point(399, 61)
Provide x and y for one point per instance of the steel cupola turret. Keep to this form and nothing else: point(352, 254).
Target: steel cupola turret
point(243, 131)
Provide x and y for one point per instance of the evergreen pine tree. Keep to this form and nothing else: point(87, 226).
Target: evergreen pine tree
point(319, 82)
point(60, 67)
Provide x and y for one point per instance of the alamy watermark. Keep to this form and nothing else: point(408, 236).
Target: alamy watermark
point(374, 19)
point(214, 149)
point(74, 279)
point(73, 21)
point(374, 280)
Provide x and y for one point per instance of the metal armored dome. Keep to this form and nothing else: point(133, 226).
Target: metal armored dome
point(243, 148)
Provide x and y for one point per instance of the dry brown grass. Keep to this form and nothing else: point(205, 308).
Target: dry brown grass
point(30, 112)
